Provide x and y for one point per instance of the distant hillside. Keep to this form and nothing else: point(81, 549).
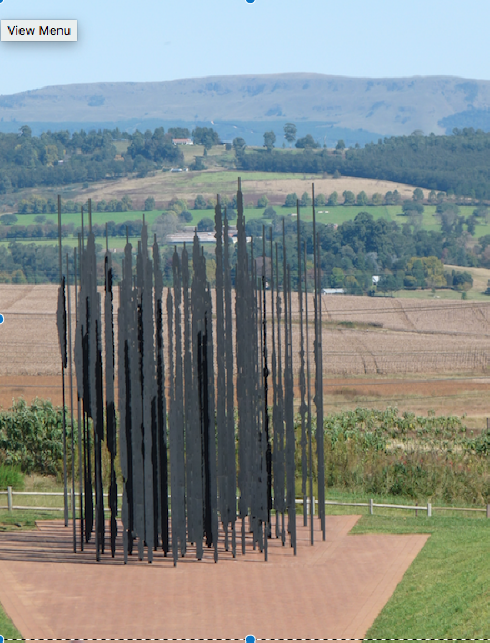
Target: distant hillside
point(241, 104)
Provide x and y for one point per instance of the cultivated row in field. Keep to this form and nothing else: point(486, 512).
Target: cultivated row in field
point(361, 335)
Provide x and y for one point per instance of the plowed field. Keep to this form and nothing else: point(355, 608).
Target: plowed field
point(415, 354)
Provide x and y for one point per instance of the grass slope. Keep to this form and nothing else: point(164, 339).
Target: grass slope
point(445, 593)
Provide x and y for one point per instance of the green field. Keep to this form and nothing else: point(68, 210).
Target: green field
point(325, 214)
point(445, 592)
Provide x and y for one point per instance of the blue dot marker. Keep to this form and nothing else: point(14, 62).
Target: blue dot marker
point(2, 319)
point(248, 639)
point(248, 1)
point(1, 637)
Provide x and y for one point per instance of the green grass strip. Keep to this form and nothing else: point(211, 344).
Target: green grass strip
point(446, 591)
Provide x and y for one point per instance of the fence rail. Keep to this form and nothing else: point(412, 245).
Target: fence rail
point(371, 504)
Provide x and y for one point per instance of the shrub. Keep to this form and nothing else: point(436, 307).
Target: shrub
point(11, 476)
point(31, 437)
point(205, 225)
point(381, 452)
point(186, 216)
point(269, 212)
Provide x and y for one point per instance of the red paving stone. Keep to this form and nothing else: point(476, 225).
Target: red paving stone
point(333, 590)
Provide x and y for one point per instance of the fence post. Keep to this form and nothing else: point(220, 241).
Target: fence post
point(488, 511)
point(429, 510)
point(9, 498)
point(371, 506)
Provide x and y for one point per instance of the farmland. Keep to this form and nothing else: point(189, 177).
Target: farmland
point(164, 186)
point(414, 354)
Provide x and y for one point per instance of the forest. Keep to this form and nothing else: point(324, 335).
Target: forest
point(61, 158)
point(456, 164)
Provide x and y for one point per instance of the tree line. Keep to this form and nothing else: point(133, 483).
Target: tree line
point(456, 164)
point(61, 158)
point(351, 254)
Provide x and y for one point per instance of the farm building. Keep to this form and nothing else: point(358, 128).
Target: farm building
point(182, 141)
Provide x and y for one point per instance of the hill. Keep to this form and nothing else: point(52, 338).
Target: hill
point(239, 105)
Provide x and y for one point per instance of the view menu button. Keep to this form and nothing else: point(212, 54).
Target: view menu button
point(39, 30)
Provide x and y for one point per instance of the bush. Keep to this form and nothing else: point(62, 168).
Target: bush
point(186, 216)
point(31, 437)
point(200, 202)
point(269, 212)
point(380, 452)
point(149, 204)
point(11, 476)
point(205, 225)
point(291, 200)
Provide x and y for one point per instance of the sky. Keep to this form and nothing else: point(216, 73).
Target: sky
point(155, 40)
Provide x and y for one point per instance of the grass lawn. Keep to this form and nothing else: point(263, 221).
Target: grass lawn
point(445, 592)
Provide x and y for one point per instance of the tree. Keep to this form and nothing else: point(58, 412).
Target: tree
point(290, 132)
point(305, 200)
point(340, 145)
point(462, 281)
point(291, 200)
point(262, 202)
point(418, 195)
point(337, 278)
point(239, 145)
point(471, 224)
point(198, 164)
point(377, 199)
point(482, 212)
point(166, 224)
point(269, 140)
point(205, 225)
point(336, 174)
point(410, 282)
point(185, 216)
point(387, 283)
point(320, 200)
point(269, 213)
point(362, 198)
point(8, 219)
point(177, 205)
point(349, 197)
point(333, 199)
point(149, 204)
point(205, 136)
point(411, 207)
point(200, 203)
point(178, 132)
point(307, 142)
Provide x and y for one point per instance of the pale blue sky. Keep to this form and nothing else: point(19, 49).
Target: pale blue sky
point(151, 40)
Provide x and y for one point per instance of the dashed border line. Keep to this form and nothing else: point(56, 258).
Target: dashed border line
point(364, 640)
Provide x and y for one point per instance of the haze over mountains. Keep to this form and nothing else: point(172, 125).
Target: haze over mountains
point(329, 107)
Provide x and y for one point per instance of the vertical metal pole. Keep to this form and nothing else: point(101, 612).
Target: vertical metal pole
point(79, 410)
point(65, 489)
point(70, 370)
point(310, 453)
point(302, 384)
point(9, 498)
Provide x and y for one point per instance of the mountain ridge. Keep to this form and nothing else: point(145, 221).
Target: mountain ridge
point(385, 106)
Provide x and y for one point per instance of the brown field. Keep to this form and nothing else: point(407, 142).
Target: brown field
point(414, 354)
point(164, 186)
